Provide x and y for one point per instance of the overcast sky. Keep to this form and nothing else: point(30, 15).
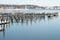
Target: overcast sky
point(34, 2)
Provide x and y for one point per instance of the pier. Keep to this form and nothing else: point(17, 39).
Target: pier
point(5, 18)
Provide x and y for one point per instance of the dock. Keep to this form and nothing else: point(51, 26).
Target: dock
point(6, 18)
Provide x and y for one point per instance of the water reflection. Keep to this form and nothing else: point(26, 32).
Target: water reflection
point(24, 19)
point(2, 28)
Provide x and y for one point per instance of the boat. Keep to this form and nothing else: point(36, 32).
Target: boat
point(4, 22)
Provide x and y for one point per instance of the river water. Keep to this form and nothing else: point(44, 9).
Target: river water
point(37, 28)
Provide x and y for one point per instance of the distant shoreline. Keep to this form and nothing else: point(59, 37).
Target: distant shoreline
point(3, 6)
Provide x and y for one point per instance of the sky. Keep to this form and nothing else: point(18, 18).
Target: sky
point(34, 2)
